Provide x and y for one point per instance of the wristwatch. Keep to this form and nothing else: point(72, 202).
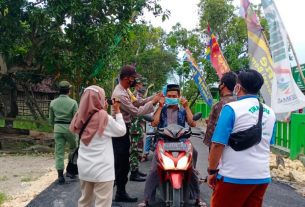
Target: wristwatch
point(212, 171)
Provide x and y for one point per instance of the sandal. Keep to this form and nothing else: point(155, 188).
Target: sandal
point(200, 203)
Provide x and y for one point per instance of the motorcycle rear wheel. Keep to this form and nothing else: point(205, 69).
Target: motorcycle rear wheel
point(176, 198)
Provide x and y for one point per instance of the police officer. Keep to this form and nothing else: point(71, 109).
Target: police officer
point(62, 110)
point(121, 146)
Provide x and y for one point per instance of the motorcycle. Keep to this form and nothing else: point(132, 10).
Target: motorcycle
point(175, 162)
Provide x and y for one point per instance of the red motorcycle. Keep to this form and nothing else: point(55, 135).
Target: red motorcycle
point(175, 163)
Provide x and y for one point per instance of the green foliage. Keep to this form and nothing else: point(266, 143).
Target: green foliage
point(2, 122)
point(3, 198)
point(31, 125)
point(74, 40)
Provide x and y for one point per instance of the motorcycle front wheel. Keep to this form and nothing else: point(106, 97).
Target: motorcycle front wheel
point(176, 197)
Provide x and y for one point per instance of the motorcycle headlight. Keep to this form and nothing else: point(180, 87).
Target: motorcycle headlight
point(182, 163)
point(168, 163)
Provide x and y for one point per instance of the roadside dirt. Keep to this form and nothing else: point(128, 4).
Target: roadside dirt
point(22, 177)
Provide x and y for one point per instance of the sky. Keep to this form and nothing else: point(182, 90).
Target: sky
point(186, 12)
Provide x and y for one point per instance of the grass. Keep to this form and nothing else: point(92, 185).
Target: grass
point(2, 122)
point(3, 198)
point(3, 178)
point(26, 179)
point(30, 124)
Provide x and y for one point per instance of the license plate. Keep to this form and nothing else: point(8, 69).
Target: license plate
point(175, 146)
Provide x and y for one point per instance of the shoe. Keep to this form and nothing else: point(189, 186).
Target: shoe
point(134, 176)
point(141, 173)
point(61, 180)
point(143, 204)
point(124, 197)
point(71, 176)
point(200, 203)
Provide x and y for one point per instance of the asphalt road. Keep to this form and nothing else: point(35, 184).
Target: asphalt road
point(278, 195)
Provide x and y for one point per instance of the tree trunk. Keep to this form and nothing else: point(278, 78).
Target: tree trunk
point(194, 100)
point(3, 67)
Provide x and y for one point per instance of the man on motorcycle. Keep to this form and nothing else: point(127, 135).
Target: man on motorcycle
point(169, 112)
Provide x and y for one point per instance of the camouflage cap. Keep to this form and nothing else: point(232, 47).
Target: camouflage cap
point(64, 85)
point(142, 80)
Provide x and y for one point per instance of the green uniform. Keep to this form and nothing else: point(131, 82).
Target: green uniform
point(136, 132)
point(62, 110)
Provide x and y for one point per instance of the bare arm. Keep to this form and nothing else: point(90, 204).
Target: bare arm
point(157, 117)
point(215, 155)
point(157, 114)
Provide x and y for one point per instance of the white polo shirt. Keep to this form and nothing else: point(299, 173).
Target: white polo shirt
point(250, 166)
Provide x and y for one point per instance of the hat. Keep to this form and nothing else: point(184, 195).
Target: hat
point(142, 80)
point(128, 71)
point(172, 87)
point(64, 85)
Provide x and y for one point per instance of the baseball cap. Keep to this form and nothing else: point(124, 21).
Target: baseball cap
point(128, 71)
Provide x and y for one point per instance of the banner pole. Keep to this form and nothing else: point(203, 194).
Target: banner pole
point(291, 46)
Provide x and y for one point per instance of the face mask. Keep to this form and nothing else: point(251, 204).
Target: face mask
point(171, 101)
point(132, 83)
point(220, 89)
point(142, 90)
point(236, 91)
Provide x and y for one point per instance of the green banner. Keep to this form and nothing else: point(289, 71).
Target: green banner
point(297, 77)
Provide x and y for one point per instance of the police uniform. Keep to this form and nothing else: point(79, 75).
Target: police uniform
point(121, 145)
point(61, 112)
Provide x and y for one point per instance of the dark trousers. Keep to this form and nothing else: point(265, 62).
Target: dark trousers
point(121, 147)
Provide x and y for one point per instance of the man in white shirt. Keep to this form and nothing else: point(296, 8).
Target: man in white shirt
point(240, 178)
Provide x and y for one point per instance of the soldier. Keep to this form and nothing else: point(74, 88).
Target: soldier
point(136, 131)
point(62, 110)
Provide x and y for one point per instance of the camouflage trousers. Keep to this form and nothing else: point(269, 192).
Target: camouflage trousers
point(135, 151)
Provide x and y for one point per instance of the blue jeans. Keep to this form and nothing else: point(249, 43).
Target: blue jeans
point(148, 139)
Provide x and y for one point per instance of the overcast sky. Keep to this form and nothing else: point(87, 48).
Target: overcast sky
point(186, 12)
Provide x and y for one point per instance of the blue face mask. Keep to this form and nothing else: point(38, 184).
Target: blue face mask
point(171, 101)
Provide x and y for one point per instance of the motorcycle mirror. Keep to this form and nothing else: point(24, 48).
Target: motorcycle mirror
point(148, 118)
point(197, 116)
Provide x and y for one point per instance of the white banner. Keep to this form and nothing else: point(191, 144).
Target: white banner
point(286, 96)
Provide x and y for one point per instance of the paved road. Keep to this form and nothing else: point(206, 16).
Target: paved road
point(278, 195)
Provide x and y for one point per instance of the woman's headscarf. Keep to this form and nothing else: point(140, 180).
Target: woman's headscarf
point(92, 100)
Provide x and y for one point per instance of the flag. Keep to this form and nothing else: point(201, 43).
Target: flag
point(198, 78)
point(214, 54)
point(286, 96)
point(259, 54)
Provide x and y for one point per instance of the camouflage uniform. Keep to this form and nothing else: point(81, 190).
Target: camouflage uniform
point(136, 132)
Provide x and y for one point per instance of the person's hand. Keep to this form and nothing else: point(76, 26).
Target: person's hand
point(116, 106)
point(106, 105)
point(184, 102)
point(156, 98)
point(212, 181)
point(162, 101)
